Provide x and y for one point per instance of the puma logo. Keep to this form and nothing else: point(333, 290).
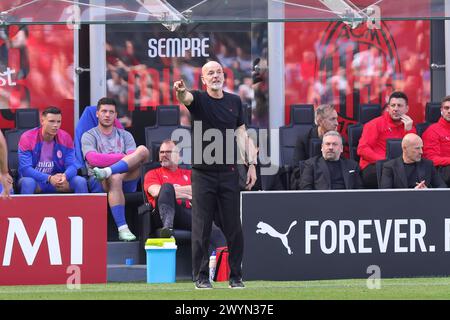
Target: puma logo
point(265, 228)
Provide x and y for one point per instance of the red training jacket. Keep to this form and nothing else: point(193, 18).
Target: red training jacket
point(436, 143)
point(372, 145)
point(179, 177)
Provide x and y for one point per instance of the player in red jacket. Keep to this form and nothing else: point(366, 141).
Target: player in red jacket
point(436, 141)
point(392, 124)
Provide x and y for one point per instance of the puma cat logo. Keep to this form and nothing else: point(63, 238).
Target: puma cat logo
point(264, 228)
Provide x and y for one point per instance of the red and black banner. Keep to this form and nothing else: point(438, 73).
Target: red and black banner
point(329, 62)
point(36, 71)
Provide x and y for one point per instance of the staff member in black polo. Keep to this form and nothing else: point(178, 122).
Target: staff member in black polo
point(215, 180)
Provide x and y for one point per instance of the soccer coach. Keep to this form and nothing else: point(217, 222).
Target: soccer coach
point(215, 182)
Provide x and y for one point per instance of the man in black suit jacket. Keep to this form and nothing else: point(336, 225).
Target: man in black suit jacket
point(329, 171)
point(410, 170)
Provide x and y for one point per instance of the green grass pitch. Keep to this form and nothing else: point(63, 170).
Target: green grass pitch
point(412, 288)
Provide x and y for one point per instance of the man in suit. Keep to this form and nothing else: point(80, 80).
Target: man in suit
point(410, 170)
point(329, 171)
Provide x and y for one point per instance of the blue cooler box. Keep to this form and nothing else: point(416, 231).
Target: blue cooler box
point(161, 260)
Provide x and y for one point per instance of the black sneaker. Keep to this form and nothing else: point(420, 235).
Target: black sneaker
point(203, 284)
point(236, 284)
point(165, 232)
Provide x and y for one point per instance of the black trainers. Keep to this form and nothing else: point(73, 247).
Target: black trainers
point(236, 284)
point(165, 232)
point(203, 284)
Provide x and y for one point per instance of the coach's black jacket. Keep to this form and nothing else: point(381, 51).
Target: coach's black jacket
point(316, 176)
point(394, 174)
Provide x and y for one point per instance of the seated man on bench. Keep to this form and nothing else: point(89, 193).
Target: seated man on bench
point(46, 158)
point(113, 162)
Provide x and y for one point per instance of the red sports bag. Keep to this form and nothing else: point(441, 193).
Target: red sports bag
point(222, 266)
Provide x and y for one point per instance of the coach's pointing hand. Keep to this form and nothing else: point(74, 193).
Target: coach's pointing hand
point(183, 95)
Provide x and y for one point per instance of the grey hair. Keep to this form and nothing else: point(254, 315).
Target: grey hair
point(332, 133)
point(321, 110)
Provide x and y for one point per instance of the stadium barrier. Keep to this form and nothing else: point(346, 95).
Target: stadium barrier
point(311, 235)
point(53, 239)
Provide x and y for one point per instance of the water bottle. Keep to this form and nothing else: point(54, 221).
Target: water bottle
point(212, 266)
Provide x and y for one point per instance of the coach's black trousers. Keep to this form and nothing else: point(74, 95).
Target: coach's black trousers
point(215, 194)
point(178, 216)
